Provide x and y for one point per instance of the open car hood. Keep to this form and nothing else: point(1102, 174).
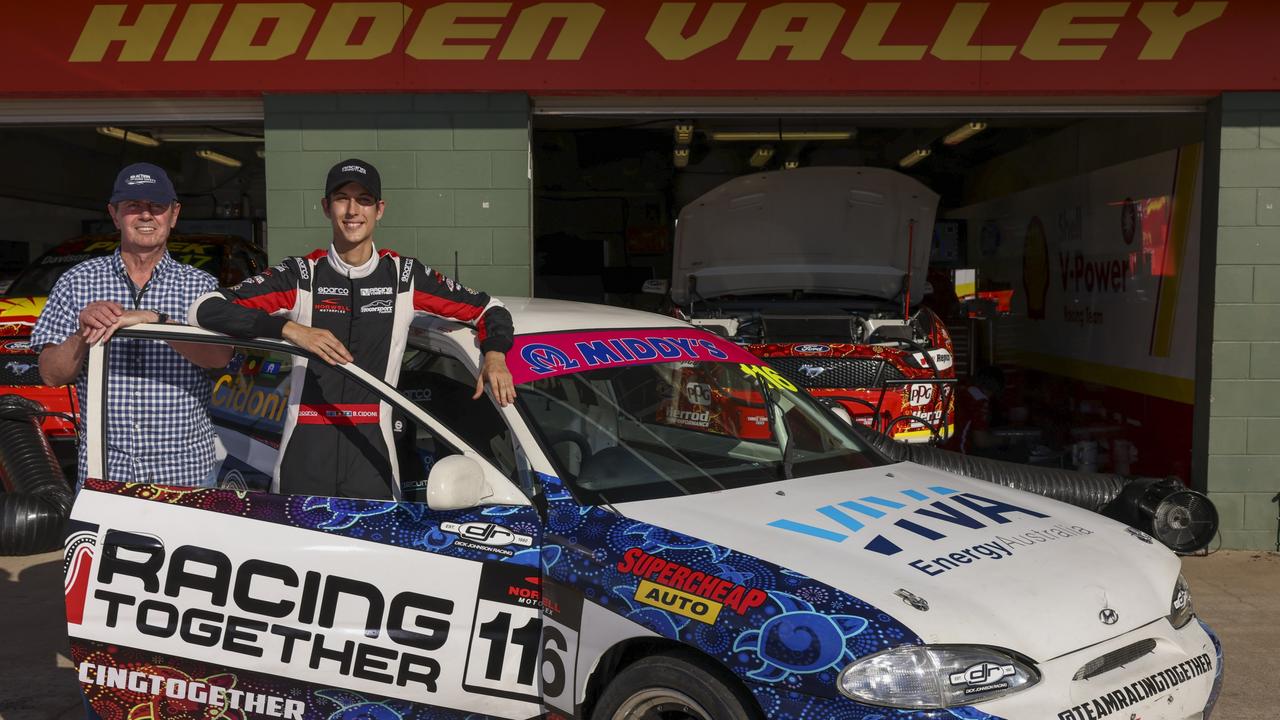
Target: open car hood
point(826, 230)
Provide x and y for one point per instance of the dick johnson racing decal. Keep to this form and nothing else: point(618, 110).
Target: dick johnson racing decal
point(1139, 691)
point(549, 354)
point(786, 634)
point(407, 525)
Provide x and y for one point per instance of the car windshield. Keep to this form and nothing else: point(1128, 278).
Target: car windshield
point(38, 279)
point(649, 431)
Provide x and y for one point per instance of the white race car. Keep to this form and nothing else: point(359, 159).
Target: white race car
point(662, 527)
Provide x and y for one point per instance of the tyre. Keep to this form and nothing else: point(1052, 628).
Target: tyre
point(674, 687)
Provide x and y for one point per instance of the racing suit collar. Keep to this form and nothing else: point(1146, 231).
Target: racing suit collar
point(353, 271)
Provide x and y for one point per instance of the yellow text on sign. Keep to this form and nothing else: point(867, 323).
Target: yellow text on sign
point(678, 602)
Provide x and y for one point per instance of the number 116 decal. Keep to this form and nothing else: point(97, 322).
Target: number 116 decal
point(506, 635)
point(524, 638)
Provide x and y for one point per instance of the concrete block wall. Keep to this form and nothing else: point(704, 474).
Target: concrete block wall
point(455, 175)
point(1244, 424)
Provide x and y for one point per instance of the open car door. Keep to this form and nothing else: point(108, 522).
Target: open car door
point(236, 603)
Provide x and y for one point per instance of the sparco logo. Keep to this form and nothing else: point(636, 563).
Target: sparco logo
point(280, 615)
point(341, 291)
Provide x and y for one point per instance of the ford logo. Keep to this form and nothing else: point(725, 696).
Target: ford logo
point(812, 349)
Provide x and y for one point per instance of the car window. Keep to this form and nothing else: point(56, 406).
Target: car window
point(665, 429)
point(443, 386)
point(246, 406)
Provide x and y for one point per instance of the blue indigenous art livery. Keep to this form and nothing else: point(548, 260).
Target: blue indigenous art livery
point(593, 553)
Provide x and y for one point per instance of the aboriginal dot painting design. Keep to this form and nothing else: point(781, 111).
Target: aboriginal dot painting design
point(1217, 676)
point(407, 525)
point(789, 639)
point(163, 692)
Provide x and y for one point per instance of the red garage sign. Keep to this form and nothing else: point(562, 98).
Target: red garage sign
point(81, 47)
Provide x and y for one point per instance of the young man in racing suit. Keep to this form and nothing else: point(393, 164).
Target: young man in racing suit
point(351, 303)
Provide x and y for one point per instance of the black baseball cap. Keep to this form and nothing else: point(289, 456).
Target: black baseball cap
point(143, 181)
point(354, 171)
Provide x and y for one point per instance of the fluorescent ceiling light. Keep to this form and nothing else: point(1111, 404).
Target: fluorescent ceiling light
point(791, 165)
point(680, 157)
point(964, 132)
point(914, 157)
point(202, 135)
point(761, 156)
point(753, 136)
point(216, 157)
point(261, 153)
point(129, 136)
point(684, 133)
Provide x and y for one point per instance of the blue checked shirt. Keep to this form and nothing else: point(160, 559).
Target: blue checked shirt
point(158, 427)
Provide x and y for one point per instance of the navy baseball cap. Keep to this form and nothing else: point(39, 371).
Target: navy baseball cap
point(143, 181)
point(354, 171)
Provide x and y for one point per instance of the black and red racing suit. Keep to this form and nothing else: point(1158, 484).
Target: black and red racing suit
point(337, 437)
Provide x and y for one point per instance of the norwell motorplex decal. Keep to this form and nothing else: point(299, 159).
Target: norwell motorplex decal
point(1137, 691)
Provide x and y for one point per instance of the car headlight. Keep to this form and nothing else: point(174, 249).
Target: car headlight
point(1180, 609)
point(935, 676)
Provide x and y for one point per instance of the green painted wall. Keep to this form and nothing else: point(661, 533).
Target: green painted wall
point(1244, 422)
point(454, 174)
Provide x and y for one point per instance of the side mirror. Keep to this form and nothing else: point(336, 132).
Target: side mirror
point(456, 483)
point(655, 287)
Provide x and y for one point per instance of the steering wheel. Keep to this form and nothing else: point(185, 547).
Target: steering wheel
point(571, 436)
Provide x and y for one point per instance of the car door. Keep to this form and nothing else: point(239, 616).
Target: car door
point(212, 602)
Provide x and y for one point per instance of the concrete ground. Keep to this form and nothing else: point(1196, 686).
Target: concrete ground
point(1236, 592)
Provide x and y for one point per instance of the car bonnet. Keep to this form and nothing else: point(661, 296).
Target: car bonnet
point(993, 566)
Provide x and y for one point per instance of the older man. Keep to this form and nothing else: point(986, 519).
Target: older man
point(158, 427)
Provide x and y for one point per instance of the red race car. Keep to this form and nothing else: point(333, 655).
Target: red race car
point(822, 271)
point(229, 258)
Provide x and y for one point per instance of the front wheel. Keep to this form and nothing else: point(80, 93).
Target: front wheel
point(667, 687)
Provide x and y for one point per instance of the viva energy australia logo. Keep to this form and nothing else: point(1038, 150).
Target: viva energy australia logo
point(930, 513)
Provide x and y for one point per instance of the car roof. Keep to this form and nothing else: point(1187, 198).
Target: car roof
point(187, 238)
point(540, 315)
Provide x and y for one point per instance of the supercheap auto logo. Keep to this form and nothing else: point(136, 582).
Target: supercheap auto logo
point(680, 589)
point(931, 513)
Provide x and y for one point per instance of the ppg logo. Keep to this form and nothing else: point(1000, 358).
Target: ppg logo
point(982, 674)
point(543, 358)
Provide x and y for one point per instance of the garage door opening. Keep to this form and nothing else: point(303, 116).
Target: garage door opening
point(1074, 238)
point(58, 199)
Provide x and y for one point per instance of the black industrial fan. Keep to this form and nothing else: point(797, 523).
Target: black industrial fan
point(1181, 518)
